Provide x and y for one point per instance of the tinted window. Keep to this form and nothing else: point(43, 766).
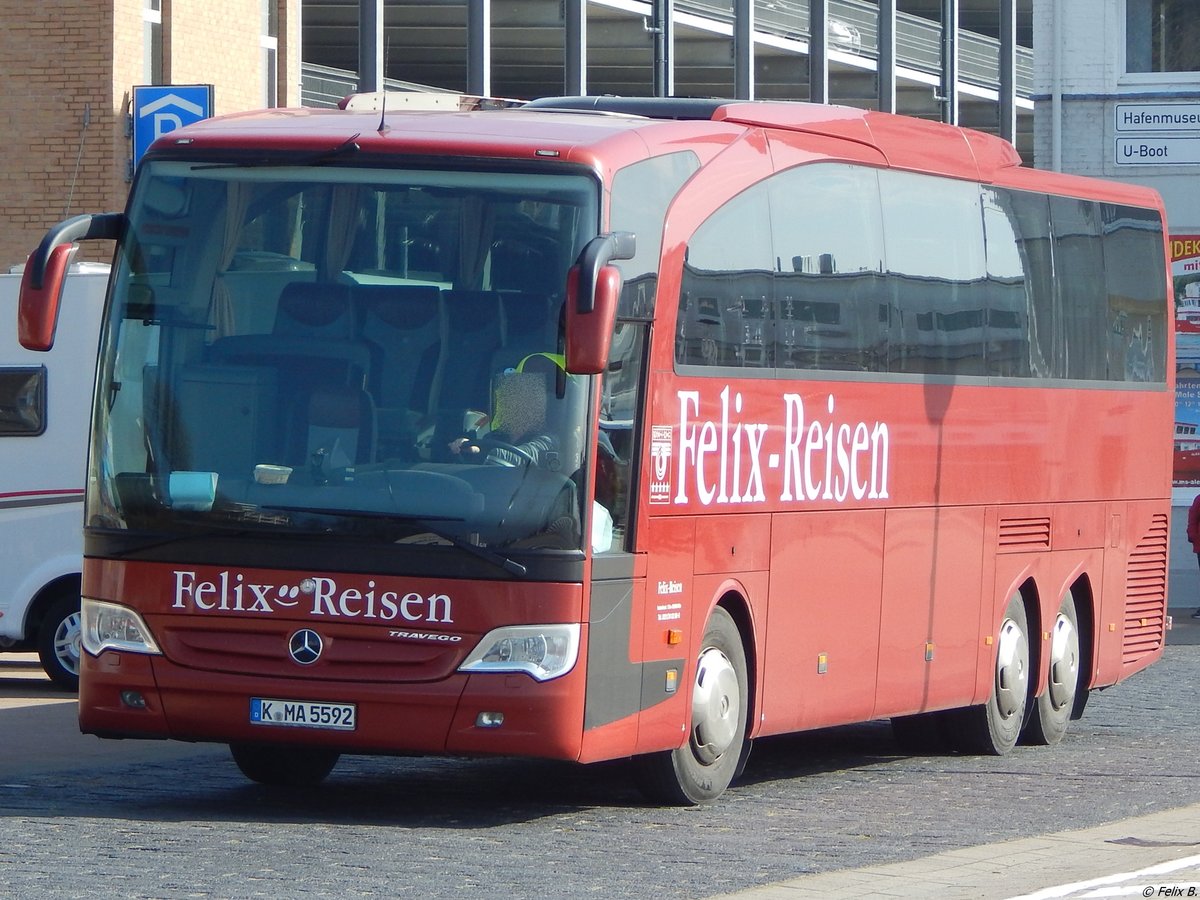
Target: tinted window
point(617, 444)
point(22, 400)
point(1079, 277)
point(937, 297)
point(1020, 262)
point(1136, 285)
point(828, 243)
point(1008, 348)
point(847, 268)
point(724, 303)
point(641, 194)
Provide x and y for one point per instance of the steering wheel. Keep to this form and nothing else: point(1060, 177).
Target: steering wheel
point(489, 440)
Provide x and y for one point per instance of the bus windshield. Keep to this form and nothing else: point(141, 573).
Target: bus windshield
point(357, 351)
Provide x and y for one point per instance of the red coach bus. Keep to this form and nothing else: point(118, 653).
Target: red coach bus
point(606, 428)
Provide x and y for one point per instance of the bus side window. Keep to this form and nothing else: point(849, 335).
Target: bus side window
point(941, 295)
point(1079, 276)
point(728, 271)
point(1136, 285)
point(618, 413)
point(828, 277)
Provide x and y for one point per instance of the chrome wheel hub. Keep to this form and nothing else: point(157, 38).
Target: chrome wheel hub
point(67, 639)
point(1012, 669)
point(716, 706)
point(1064, 662)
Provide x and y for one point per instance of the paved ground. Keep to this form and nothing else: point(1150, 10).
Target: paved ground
point(41, 728)
point(1156, 855)
point(854, 827)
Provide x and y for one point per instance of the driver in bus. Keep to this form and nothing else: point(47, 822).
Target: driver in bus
point(517, 434)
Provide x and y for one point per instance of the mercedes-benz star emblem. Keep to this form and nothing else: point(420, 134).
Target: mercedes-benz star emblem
point(305, 646)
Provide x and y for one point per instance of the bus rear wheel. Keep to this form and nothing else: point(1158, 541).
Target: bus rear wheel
point(993, 728)
point(1052, 715)
point(703, 767)
point(284, 766)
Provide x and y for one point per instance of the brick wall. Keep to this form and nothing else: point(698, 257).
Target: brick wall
point(206, 49)
point(55, 68)
point(67, 62)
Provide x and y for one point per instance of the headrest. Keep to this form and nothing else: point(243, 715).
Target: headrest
point(399, 306)
point(308, 309)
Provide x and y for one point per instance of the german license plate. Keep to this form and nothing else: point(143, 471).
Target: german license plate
point(303, 714)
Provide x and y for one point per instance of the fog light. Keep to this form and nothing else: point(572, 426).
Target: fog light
point(133, 699)
point(489, 720)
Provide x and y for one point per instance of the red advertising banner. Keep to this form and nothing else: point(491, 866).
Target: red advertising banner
point(1185, 272)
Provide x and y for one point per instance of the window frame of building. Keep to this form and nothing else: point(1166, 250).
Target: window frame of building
point(1139, 64)
point(268, 40)
point(152, 39)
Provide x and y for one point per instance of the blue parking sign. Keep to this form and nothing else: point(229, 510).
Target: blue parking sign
point(161, 108)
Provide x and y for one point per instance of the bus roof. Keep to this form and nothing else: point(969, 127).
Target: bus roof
point(613, 131)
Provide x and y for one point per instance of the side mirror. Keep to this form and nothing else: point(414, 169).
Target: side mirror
point(593, 289)
point(596, 254)
point(46, 269)
point(37, 308)
point(589, 334)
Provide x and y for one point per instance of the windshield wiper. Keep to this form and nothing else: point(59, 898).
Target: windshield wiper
point(487, 555)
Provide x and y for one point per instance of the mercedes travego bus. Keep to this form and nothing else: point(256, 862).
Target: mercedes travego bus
point(599, 428)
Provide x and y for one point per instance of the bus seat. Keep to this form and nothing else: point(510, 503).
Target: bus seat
point(314, 341)
point(524, 264)
point(530, 325)
point(404, 328)
point(474, 334)
point(313, 348)
point(473, 323)
point(254, 296)
point(311, 309)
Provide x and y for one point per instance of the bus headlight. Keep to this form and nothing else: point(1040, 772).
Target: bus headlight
point(107, 626)
point(540, 651)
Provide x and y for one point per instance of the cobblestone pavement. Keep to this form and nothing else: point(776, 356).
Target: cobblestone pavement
point(190, 825)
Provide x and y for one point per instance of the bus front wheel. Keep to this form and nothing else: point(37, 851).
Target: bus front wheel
point(701, 769)
point(284, 766)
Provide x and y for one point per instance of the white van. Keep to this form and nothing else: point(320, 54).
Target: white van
point(45, 409)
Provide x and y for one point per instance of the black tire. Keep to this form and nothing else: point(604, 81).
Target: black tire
point(1081, 699)
point(1054, 708)
point(993, 728)
point(284, 766)
point(701, 770)
point(58, 641)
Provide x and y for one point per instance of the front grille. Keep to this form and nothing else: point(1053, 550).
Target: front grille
point(350, 652)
